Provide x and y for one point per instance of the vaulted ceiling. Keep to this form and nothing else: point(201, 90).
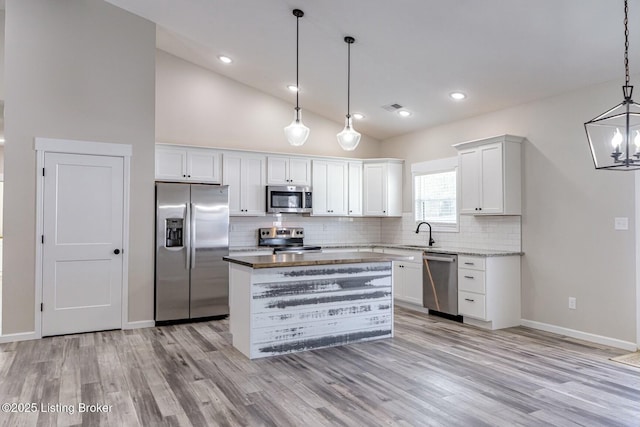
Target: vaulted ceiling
point(410, 52)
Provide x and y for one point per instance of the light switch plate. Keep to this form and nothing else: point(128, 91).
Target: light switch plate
point(621, 223)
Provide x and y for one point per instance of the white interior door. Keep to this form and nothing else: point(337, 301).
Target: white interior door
point(83, 207)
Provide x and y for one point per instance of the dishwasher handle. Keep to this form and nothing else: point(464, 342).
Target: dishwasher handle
point(438, 258)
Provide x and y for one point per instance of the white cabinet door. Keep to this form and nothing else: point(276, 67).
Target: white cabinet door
point(277, 169)
point(491, 181)
point(337, 176)
point(412, 276)
point(329, 188)
point(319, 187)
point(299, 171)
point(187, 164)
point(399, 291)
point(203, 166)
point(490, 176)
point(171, 164)
point(375, 189)
point(382, 194)
point(253, 187)
point(469, 166)
point(355, 189)
point(245, 176)
point(232, 176)
point(288, 171)
point(408, 282)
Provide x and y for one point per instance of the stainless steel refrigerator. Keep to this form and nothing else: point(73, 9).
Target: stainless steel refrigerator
point(192, 236)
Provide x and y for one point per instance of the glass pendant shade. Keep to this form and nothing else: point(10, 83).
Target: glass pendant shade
point(296, 133)
point(614, 136)
point(349, 138)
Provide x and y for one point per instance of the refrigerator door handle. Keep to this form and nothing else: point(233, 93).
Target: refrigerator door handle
point(192, 226)
point(187, 235)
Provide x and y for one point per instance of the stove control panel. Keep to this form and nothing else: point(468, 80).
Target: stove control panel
point(281, 233)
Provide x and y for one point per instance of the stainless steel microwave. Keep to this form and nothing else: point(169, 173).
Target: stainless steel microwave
point(288, 199)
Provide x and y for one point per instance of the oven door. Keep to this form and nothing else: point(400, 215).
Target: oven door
point(287, 199)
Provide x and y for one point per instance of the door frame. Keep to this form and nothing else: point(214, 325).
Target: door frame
point(68, 146)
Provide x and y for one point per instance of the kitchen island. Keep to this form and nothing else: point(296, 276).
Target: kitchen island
point(294, 302)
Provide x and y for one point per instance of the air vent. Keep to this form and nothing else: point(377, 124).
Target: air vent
point(392, 107)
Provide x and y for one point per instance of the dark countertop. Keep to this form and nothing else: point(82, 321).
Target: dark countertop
point(446, 249)
point(299, 260)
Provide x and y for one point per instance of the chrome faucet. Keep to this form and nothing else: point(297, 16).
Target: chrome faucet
point(431, 241)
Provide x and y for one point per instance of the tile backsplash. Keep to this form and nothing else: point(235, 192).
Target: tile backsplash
point(476, 232)
point(318, 230)
point(486, 232)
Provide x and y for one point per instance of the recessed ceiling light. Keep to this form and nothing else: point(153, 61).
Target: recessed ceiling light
point(457, 96)
point(292, 88)
point(358, 116)
point(404, 113)
point(225, 59)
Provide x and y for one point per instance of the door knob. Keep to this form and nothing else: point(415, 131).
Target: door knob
point(116, 251)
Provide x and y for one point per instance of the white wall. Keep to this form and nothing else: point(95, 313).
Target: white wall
point(195, 106)
point(571, 248)
point(84, 70)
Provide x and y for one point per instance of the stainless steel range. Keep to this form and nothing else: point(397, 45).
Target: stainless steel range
point(285, 240)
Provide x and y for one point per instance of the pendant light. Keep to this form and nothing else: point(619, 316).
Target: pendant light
point(614, 136)
point(297, 133)
point(349, 138)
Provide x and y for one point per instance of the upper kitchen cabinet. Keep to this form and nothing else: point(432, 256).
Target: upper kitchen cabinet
point(491, 176)
point(355, 188)
point(244, 173)
point(382, 187)
point(288, 171)
point(175, 163)
point(330, 186)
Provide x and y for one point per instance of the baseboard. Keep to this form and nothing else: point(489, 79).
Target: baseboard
point(585, 336)
point(140, 324)
point(21, 336)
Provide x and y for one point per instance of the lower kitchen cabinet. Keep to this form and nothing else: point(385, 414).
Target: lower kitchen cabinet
point(407, 276)
point(489, 291)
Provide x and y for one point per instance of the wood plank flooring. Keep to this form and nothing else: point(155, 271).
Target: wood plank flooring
point(432, 373)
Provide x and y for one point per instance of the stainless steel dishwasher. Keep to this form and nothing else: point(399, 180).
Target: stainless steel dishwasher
point(440, 282)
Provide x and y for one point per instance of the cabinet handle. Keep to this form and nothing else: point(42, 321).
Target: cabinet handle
point(469, 263)
point(479, 209)
point(184, 176)
point(468, 277)
point(469, 299)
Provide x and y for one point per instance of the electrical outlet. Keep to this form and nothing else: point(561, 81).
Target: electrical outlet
point(621, 223)
point(572, 303)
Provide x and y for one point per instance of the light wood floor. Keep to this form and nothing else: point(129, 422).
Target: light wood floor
point(434, 372)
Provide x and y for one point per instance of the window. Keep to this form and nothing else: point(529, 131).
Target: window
point(435, 193)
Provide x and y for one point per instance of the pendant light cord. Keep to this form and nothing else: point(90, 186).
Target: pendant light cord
point(297, 67)
point(349, 78)
point(626, 42)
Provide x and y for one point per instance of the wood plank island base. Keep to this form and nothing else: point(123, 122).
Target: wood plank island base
point(287, 303)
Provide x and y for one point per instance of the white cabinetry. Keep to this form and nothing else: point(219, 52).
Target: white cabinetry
point(489, 291)
point(245, 175)
point(491, 176)
point(288, 171)
point(407, 276)
point(330, 180)
point(187, 164)
point(383, 188)
point(355, 189)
